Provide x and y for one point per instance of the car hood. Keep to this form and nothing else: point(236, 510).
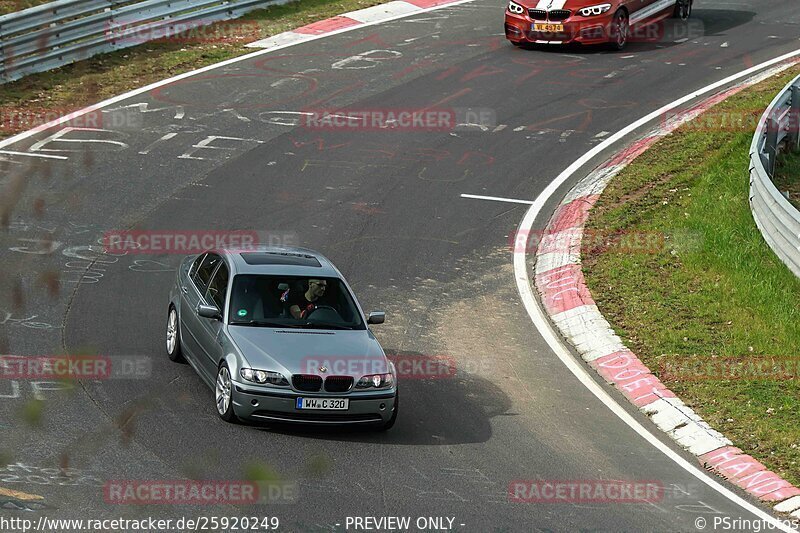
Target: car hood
point(550, 5)
point(303, 351)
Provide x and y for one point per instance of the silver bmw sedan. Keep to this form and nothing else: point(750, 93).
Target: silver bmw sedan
point(279, 336)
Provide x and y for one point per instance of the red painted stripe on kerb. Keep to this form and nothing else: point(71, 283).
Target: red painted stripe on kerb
point(745, 472)
point(636, 149)
point(563, 288)
point(628, 374)
point(632, 152)
point(327, 25)
point(573, 214)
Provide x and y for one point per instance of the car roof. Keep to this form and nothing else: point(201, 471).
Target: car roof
point(279, 260)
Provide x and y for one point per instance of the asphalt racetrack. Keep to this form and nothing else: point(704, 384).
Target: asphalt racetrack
point(385, 206)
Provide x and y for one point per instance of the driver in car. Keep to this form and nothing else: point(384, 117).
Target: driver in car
point(302, 305)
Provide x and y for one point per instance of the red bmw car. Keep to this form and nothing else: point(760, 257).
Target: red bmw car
point(586, 21)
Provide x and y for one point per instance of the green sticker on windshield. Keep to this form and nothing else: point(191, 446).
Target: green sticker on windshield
point(242, 312)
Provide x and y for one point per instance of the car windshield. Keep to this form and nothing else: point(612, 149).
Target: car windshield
point(290, 301)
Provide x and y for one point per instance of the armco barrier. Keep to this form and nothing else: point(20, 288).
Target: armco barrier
point(62, 32)
point(778, 220)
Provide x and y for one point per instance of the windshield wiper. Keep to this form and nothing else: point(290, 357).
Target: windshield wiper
point(260, 323)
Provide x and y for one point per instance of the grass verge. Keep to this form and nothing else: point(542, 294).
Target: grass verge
point(787, 177)
point(12, 6)
point(25, 103)
point(714, 291)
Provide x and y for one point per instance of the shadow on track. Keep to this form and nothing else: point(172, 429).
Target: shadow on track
point(453, 409)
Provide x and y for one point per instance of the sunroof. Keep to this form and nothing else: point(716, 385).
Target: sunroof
point(280, 258)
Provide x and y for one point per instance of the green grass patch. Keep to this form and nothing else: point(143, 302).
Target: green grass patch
point(714, 290)
point(11, 6)
point(787, 176)
point(87, 82)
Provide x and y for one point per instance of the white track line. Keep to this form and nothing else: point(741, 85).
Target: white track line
point(30, 154)
point(496, 199)
point(155, 85)
point(546, 330)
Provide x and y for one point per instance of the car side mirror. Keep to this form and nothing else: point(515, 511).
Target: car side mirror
point(376, 317)
point(208, 311)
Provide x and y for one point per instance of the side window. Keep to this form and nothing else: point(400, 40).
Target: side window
point(218, 288)
point(196, 265)
point(203, 275)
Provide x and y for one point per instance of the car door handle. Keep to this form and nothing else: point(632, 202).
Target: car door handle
point(184, 290)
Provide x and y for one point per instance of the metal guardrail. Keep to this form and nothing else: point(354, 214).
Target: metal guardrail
point(58, 33)
point(778, 220)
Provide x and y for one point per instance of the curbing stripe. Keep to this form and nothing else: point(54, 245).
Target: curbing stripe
point(559, 280)
point(326, 26)
point(281, 39)
point(563, 289)
point(382, 11)
point(350, 20)
point(792, 504)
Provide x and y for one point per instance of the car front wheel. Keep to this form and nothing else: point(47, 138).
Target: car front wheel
point(223, 394)
point(620, 28)
point(173, 336)
point(683, 9)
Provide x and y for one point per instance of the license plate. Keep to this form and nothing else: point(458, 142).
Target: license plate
point(323, 404)
point(548, 28)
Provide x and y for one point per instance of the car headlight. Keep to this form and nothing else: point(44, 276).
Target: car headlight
point(377, 381)
point(516, 8)
point(592, 11)
point(263, 377)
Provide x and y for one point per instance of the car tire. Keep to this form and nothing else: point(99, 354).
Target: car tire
point(620, 30)
point(223, 394)
point(174, 336)
point(388, 424)
point(683, 9)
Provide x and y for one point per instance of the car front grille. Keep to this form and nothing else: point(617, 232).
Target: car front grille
point(537, 14)
point(307, 382)
point(554, 15)
point(559, 14)
point(338, 383)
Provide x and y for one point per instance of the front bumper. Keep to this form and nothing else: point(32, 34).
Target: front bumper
point(577, 29)
point(278, 405)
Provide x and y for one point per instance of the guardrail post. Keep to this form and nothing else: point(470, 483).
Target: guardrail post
point(794, 119)
point(771, 148)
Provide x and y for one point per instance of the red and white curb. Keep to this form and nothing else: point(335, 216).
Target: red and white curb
point(568, 302)
point(348, 21)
